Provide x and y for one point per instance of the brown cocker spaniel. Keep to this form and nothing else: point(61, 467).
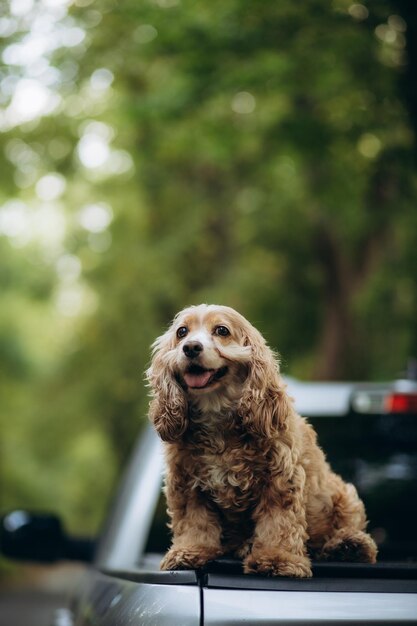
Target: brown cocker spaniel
point(245, 475)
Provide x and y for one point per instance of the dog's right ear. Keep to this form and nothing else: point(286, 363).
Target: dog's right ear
point(168, 409)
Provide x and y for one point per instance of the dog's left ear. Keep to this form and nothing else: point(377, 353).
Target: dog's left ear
point(168, 409)
point(265, 406)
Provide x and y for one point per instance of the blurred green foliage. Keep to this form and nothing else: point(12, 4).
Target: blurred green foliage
point(164, 152)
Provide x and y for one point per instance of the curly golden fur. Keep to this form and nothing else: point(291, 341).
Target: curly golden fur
point(245, 475)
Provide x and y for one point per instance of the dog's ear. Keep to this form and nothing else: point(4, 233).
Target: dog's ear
point(265, 406)
point(168, 408)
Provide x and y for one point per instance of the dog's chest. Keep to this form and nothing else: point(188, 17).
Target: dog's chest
point(231, 477)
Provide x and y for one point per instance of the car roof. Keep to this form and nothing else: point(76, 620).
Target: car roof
point(320, 398)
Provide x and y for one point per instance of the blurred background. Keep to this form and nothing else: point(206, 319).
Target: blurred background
point(161, 153)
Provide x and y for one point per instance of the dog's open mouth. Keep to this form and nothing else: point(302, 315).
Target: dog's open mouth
point(197, 377)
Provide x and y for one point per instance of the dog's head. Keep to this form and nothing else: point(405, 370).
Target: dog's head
point(212, 356)
point(207, 349)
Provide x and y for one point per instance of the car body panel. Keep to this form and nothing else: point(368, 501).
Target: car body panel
point(108, 600)
point(231, 607)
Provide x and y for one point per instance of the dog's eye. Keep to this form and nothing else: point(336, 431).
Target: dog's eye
point(182, 331)
point(222, 331)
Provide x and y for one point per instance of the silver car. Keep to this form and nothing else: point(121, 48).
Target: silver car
point(124, 586)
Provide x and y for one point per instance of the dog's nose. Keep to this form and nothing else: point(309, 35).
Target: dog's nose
point(192, 349)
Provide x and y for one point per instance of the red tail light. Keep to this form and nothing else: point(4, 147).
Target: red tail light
point(401, 403)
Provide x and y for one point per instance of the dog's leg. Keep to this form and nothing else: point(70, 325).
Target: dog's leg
point(279, 541)
point(278, 547)
point(197, 536)
point(348, 541)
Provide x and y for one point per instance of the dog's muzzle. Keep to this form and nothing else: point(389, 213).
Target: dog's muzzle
point(197, 377)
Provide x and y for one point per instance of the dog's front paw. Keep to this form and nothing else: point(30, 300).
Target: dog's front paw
point(278, 564)
point(188, 558)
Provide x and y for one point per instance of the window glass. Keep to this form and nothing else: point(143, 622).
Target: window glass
point(159, 538)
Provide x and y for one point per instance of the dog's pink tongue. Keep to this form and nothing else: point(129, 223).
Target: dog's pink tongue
point(197, 380)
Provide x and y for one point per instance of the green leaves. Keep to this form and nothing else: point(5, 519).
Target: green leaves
point(253, 154)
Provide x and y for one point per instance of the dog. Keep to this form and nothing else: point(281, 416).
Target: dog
point(245, 475)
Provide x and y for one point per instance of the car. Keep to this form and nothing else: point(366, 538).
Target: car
point(369, 432)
